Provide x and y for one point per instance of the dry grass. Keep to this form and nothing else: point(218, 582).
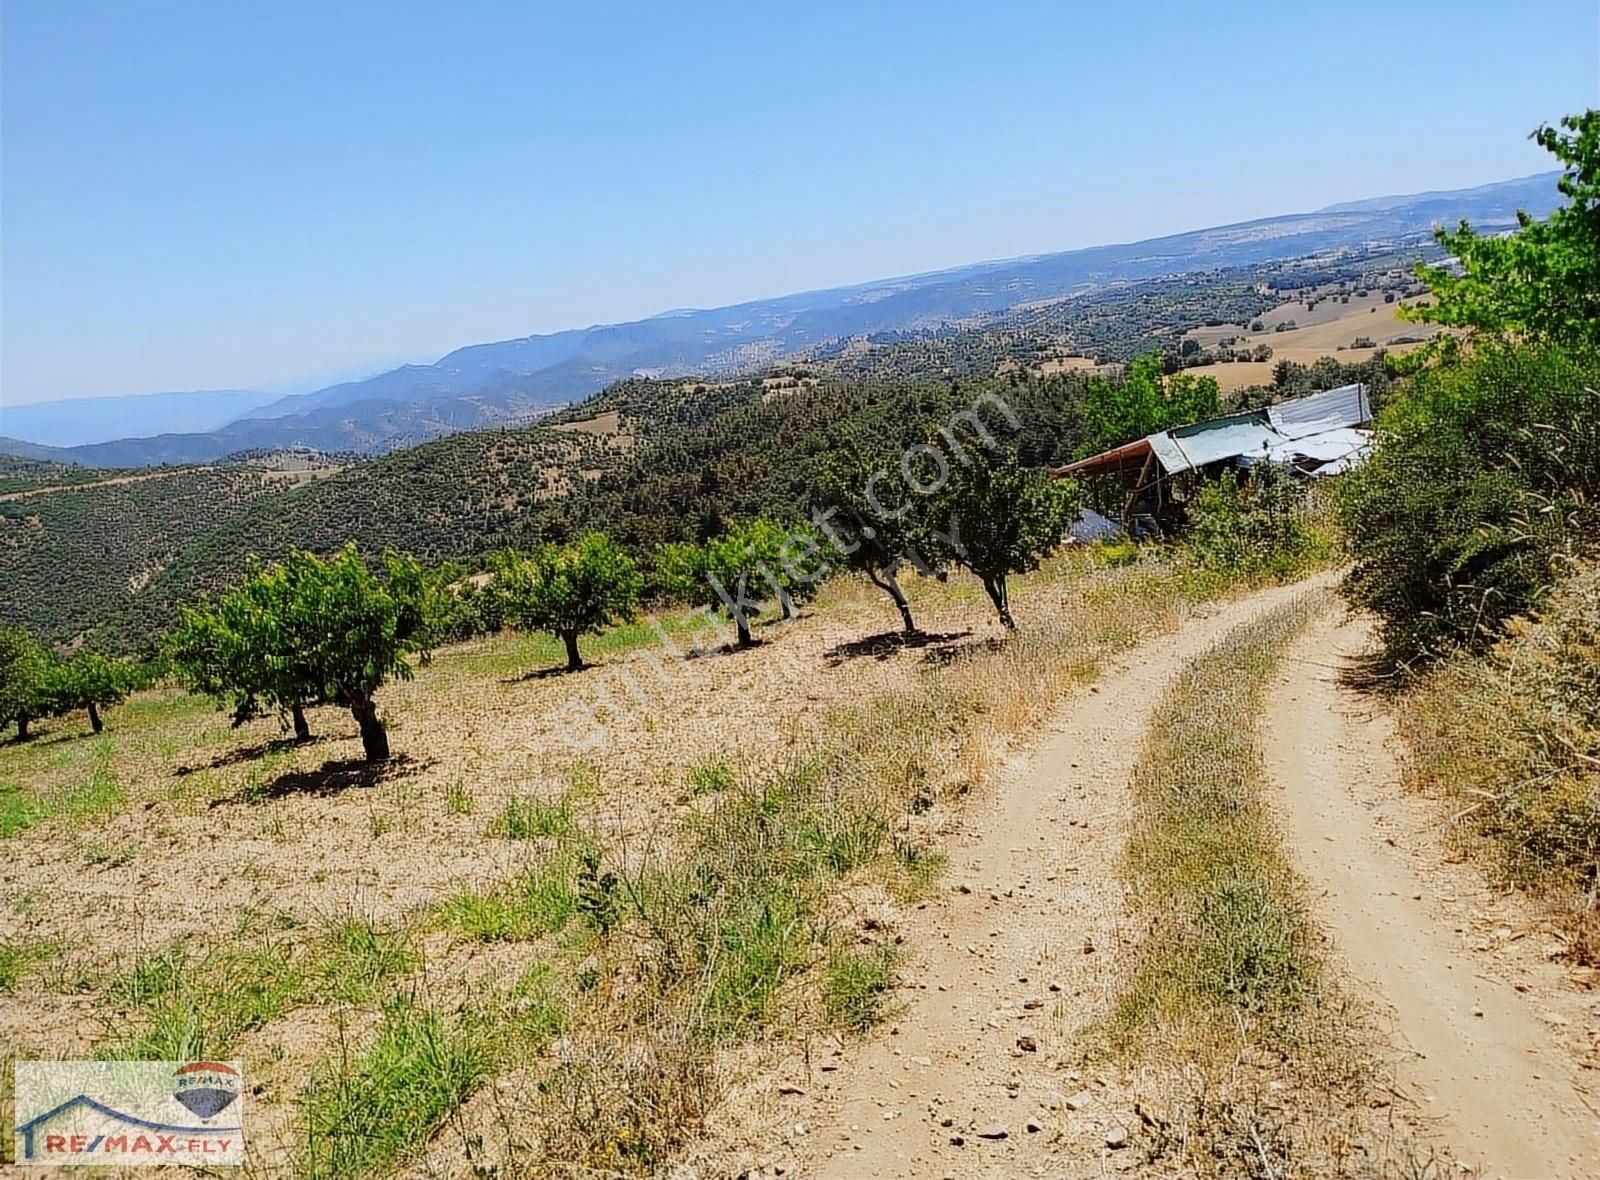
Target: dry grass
point(1249, 1059)
point(1328, 330)
point(556, 953)
point(1512, 740)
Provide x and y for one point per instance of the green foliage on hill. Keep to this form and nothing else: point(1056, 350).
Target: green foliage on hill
point(20, 475)
point(81, 557)
point(1542, 282)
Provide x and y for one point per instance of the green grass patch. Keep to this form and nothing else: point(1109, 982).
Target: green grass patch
point(363, 1113)
point(711, 777)
point(96, 794)
point(17, 959)
point(1229, 937)
point(354, 958)
point(190, 1010)
point(525, 818)
point(756, 939)
point(540, 900)
point(855, 986)
point(533, 1012)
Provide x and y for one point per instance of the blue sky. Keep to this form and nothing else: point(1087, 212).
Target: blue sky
point(204, 195)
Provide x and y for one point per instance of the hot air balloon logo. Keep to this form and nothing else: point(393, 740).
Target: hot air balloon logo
point(206, 1088)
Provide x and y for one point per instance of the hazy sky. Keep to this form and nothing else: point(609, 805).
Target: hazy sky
point(246, 193)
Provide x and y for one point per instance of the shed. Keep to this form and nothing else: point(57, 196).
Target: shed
point(1319, 434)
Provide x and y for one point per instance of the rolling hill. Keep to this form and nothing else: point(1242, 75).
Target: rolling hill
point(514, 381)
point(108, 556)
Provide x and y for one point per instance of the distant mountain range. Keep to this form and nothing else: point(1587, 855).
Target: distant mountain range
point(516, 380)
point(95, 419)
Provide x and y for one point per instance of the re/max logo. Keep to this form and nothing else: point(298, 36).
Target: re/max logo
point(135, 1145)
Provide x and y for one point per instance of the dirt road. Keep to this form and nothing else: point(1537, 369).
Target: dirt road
point(1478, 1052)
point(971, 1082)
point(975, 1079)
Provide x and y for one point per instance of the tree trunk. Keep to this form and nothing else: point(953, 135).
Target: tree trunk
point(95, 723)
point(574, 660)
point(302, 731)
point(899, 596)
point(786, 602)
point(998, 596)
point(22, 728)
point(743, 624)
point(374, 738)
point(890, 585)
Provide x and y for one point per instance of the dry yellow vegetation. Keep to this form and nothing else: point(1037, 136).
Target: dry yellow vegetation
point(176, 887)
point(1329, 329)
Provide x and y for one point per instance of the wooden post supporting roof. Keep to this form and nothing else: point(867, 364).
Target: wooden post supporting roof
point(1138, 486)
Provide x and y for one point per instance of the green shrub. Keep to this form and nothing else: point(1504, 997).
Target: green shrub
point(1251, 528)
point(1485, 476)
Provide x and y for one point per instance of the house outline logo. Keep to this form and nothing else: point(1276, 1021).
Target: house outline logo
point(205, 1089)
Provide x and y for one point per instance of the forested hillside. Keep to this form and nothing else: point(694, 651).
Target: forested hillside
point(645, 460)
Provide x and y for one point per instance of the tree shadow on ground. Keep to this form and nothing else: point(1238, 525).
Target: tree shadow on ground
point(544, 674)
point(946, 654)
point(46, 737)
point(884, 645)
point(252, 752)
point(723, 649)
point(331, 778)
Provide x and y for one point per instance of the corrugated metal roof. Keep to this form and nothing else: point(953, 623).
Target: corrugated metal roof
point(1312, 426)
point(1317, 413)
point(1188, 447)
point(1322, 448)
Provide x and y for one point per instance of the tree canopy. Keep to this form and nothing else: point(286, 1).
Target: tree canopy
point(1143, 402)
point(309, 630)
point(24, 665)
point(1542, 282)
point(88, 681)
point(872, 542)
point(1003, 519)
point(570, 590)
point(737, 571)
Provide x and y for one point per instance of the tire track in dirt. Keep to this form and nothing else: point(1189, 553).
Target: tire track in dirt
point(973, 1079)
point(1478, 1054)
